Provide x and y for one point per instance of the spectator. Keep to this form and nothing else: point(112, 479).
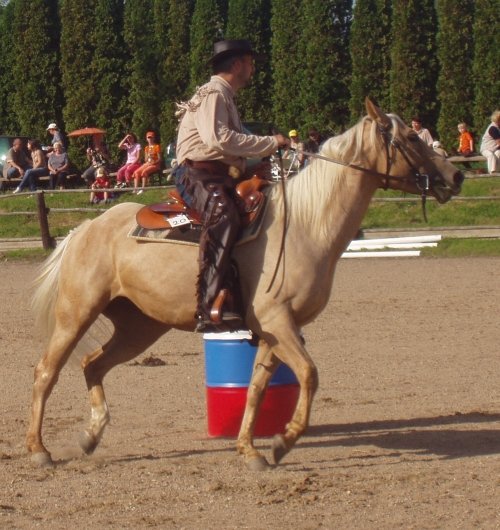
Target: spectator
point(38, 169)
point(423, 134)
point(490, 143)
point(312, 144)
point(465, 140)
point(133, 148)
point(57, 136)
point(98, 155)
point(171, 158)
point(101, 182)
point(152, 162)
point(294, 151)
point(438, 148)
point(58, 164)
point(16, 161)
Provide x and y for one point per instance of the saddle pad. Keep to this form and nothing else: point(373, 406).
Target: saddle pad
point(190, 234)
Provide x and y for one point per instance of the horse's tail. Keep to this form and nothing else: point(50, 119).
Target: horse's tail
point(46, 285)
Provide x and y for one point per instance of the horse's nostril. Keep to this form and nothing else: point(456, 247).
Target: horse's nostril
point(458, 178)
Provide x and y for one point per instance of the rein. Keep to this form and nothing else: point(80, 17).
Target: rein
point(422, 181)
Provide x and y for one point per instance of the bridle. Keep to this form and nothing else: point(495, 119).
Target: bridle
point(392, 147)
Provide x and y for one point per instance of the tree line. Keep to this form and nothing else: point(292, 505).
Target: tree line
point(122, 65)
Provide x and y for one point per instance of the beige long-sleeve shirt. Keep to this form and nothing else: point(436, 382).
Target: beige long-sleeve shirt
point(211, 129)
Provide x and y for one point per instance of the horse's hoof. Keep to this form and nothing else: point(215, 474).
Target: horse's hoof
point(279, 448)
point(42, 460)
point(258, 463)
point(87, 442)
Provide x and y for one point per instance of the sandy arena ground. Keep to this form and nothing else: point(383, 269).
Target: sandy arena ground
point(405, 427)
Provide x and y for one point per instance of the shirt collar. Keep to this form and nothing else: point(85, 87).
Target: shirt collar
point(224, 83)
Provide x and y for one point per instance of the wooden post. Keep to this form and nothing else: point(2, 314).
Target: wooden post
point(47, 241)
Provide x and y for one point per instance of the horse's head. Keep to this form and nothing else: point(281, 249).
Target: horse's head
point(410, 164)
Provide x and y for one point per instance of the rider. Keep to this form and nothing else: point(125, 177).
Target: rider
point(211, 152)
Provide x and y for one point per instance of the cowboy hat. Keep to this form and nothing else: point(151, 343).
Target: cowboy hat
point(227, 48)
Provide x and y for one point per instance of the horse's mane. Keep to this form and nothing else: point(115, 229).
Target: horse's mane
point(317, 188)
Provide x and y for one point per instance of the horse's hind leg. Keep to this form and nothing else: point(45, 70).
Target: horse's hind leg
point(134, 332)
point(61, 344)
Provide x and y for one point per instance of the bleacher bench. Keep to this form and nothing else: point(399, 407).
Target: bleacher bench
point(9, 183)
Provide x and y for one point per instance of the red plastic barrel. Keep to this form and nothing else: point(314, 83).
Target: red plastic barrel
point(229, 359)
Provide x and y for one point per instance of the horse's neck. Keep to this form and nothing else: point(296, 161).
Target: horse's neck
point(330, 210)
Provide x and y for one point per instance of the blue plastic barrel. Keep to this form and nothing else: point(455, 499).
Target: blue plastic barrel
point(229, 359)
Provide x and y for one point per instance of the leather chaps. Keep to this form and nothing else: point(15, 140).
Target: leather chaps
point(213, 196)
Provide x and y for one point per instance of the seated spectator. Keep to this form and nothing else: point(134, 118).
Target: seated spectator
point(57, 136)
point(293, 152)
point(38, 169)
point(152, 163)
point(101, 182)
point(438, 148)
point(171, 158)
point(98, 155)
point(133, 148)
point(465, 140)
point(16, 161)
point(490, 143)
point(423, 134)
point(312, 144)
point(58, 165)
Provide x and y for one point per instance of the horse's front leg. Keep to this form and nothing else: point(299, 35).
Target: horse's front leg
point(264, 367)
point(99, 417)
point(288, 346)
point(134, 332)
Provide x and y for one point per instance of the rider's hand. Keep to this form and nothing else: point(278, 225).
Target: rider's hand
point(283, 141)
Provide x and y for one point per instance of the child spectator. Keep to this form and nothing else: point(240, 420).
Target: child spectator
point(490, 143)
point(133, 148)
point(152, 162)
point(423, 134)
point(465, 140)
point(101, 182)
point(58, 166)
point(98, 155)
point(438, 148)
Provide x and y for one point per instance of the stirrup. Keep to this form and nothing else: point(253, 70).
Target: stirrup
point(220, 314)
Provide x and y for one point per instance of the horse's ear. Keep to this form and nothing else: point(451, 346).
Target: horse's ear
point(375, 113)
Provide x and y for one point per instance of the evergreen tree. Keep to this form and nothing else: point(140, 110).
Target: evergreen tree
point(37, 96)
point(325, 70)
point(286, 63)
point(455, 53)
point(486, 61)
point(142, 69)
point(206, 28)
point(175, 65)
point(8, 118)
point(108, 68)
point(370, 55)
point(77, 52)
point(248, 19)
point(414, 66)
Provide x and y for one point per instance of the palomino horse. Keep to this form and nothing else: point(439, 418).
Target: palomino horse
point(98, 269)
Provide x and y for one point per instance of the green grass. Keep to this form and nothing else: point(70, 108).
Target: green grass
point(60, 223)
point(25, 254)
point(453, 213)
point(379, 215)
point(460, 248)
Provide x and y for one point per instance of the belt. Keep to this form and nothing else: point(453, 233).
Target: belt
point(214, 167)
